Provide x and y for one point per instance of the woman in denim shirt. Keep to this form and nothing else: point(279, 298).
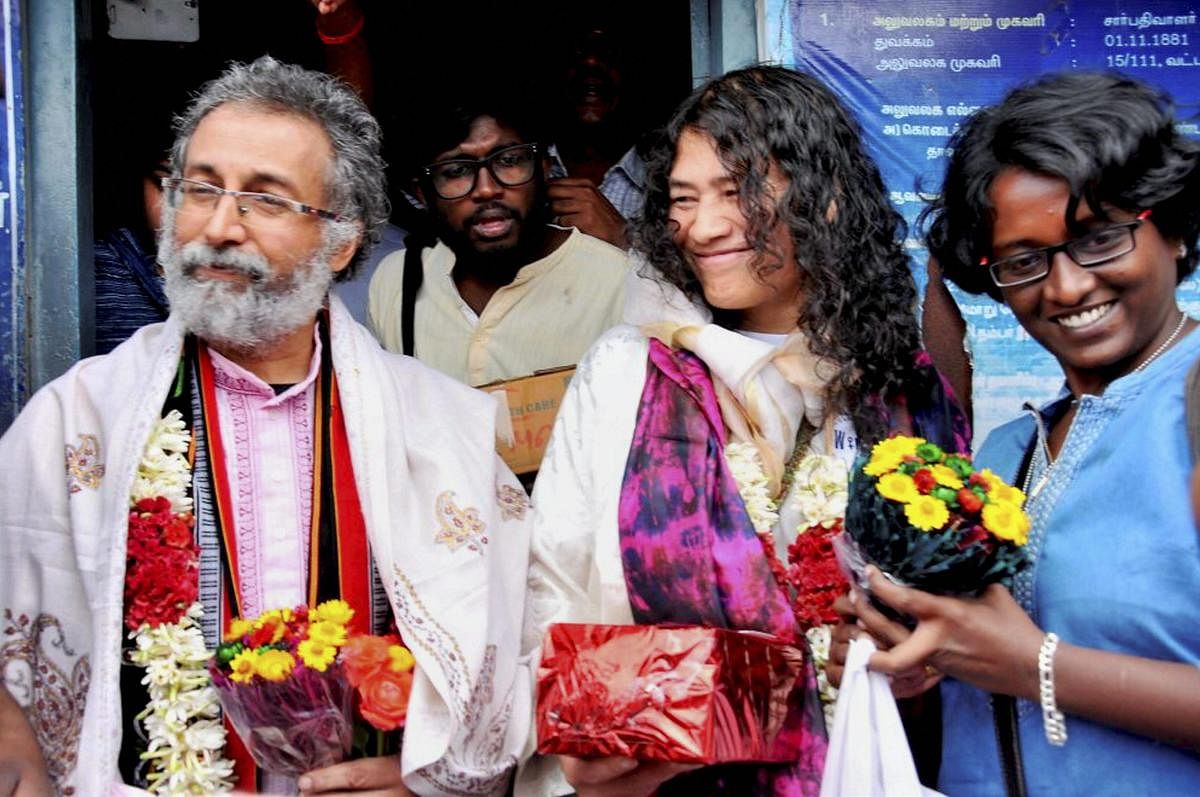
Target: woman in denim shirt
point(1076, 202)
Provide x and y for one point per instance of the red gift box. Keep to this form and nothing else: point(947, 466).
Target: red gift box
point(668, 693)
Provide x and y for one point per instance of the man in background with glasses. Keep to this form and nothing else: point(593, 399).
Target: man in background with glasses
point(265, 441)
point(495, 291)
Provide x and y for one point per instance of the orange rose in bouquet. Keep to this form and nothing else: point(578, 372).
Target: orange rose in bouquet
point(288, 682)
point(381, 669)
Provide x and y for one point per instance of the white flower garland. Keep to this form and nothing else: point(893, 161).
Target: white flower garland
point(819, 488)
point(745, 464)
point(819, 639)
point(819, 492)
point(185, 736)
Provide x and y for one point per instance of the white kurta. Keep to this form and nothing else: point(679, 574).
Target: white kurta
point(422, 448)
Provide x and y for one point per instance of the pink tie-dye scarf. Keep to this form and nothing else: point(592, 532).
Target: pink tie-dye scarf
point(691, 556)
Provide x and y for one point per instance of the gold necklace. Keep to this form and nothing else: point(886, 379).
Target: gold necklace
point(799, 449)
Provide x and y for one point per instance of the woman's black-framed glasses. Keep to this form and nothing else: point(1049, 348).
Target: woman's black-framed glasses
point(510, 167)
point(1094, 249)
point(197, 197)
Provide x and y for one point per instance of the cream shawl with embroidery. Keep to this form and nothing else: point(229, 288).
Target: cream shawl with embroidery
point(422, 446)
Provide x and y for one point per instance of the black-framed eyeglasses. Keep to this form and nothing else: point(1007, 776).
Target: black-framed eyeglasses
point(510, 167)
point(1094, 249)
point(195, 196)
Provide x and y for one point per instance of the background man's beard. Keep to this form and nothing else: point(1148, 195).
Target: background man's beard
point(500, 260)
point(242, 315)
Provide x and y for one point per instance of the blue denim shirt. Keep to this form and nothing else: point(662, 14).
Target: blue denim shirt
point(1117, 568)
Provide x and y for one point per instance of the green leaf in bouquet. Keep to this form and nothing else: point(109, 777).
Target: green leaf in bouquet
point(945, 495)
point(960, 465)
point(226, 652)
point(939, 561)
point(930, 452)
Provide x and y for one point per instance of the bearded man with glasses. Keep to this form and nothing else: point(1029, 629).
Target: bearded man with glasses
point(291, 456)
point(494, 290)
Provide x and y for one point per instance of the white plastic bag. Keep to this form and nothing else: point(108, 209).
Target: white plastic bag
point(868, 752)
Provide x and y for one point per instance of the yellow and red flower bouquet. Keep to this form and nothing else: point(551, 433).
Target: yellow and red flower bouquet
point(290, 681)
point(930, 520)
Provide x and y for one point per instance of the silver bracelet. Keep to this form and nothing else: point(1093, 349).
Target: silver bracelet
point(1053, 722)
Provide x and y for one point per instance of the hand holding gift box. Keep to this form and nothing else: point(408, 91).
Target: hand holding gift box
point(684, 694)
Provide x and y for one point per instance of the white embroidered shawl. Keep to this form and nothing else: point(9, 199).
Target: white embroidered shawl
point(423, 451)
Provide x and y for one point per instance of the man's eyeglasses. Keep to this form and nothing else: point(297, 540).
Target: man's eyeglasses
point(1094, 249)
point(196, 197)
point(510, 167)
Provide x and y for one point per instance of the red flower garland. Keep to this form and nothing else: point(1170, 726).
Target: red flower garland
point(812, 575)
point(162, 567)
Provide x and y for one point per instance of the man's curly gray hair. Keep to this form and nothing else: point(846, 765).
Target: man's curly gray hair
point(355, 186)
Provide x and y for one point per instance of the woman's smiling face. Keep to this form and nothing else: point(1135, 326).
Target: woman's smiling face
point(711, 230)
point(1099, 322)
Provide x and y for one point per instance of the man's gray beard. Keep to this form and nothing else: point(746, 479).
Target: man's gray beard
point(241, 315)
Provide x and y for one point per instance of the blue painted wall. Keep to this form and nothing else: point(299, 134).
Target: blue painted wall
point(12, 216)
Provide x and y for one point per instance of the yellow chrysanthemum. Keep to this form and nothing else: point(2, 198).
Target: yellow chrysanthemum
point(334, 611)
point(274, 616)
point(946, 477)
point(1004, 494)
point(241, 667)
point(903, 445)
point(1006, 521)
point(239, 628)
point(881, 463)
point(316, 654)
point(401, 658)
point(926, 513)
point(328, 632)
point(274, 665)
point(993, 481)
point(897, 487)
point(886, 455)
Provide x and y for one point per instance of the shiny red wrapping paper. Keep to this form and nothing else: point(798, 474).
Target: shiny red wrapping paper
point(685, 693)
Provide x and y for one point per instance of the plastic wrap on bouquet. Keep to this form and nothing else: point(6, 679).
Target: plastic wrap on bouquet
point(930, 520)
point(292, 726)
point(685, 694)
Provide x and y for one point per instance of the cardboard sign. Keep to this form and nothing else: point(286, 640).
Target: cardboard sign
point(532, 403)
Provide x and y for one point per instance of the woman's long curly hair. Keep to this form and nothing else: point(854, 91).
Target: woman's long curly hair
point(859, 299)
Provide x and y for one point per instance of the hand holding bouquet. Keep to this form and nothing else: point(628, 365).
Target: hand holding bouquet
point(929, 520)
point(288, 682)
point(932, 521)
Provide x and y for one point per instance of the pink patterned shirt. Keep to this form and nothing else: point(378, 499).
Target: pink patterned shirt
point(268, 441)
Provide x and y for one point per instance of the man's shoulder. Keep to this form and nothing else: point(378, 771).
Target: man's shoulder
point(389, 274)
point(389, 271)
point(599, 256)
point(595, 247)
point(109, 380)
point(407, 372)
point(132, 355)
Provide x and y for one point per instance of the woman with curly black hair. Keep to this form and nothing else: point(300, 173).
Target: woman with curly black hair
point(1076, 202)
point(771, 337)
